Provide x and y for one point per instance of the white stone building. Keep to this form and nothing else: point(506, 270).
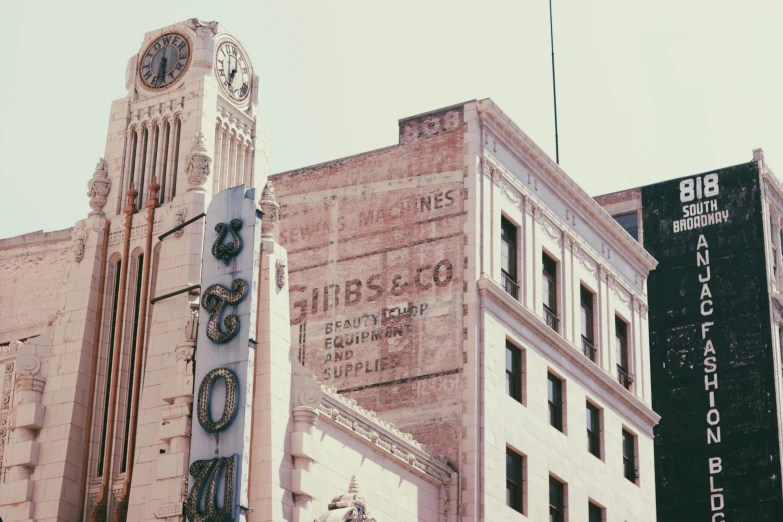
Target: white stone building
point(510, 305)
point(458, 283)
point(101, 340)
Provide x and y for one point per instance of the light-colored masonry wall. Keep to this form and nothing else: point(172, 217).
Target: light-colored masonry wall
point(392, 493)
point(519, 182)
point(32, 272)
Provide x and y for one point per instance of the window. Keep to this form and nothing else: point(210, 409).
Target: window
point(549, 290)
point(588, 341)
point(131, 359)
point(624, 377)
point(593, 430)
point(594, 513)
point(555, 402)
point(556, 500)
point(513, 372)
point(110, 356)
point(629, 456)
point(774, 260)
point(630, 223)
point(508, 257)
point(514, 480)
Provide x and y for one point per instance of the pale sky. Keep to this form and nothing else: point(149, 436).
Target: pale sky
point(646, 91)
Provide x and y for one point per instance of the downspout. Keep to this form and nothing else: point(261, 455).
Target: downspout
point(93, 370)
point(100, 509)
point(121, 510)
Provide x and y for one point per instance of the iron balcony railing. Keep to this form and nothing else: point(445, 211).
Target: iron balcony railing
point(551, 319)
point(509, 286)
point(624, 378)
point(588, 349)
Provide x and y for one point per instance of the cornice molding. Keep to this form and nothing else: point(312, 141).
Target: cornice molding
point(517, 142)
point(556, 229)
point(366, 427)
point(590, 375)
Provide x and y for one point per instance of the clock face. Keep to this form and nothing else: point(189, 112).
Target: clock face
point(164, 61)
point(233, 71)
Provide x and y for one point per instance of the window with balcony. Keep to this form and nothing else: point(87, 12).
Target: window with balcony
point(549, 291)
point(594, 513)
point(515, 465)
point(593, 430)
point(630, 223)
point(586, 298)
point(555, 394)
point(629, 456)
point(624, 376)
point(508, 257)
point(556, 500)
point(513, 372)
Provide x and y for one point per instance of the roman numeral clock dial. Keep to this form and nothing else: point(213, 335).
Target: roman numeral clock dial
point(233, 71)
point(164, 61)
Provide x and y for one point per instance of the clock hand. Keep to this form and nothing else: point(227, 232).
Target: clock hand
point(162, 68)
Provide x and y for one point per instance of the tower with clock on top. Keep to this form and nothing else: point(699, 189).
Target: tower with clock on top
point(191, 89)
point(188, 122)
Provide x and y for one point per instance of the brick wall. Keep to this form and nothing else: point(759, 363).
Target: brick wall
point(376, 252)
point(32, 271)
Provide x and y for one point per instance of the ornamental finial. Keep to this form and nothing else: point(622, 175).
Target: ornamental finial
point(98, 187)
point(198, 164)
point(269, 206)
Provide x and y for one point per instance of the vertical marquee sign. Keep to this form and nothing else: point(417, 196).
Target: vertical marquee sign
point(223, 380)
point(713, 383)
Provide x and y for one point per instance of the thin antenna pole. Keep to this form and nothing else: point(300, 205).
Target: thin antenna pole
point(554, 89)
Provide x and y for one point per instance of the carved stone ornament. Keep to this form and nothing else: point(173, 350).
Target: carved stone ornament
point(98, 187)
point(28, 364)
point(77, 245)
point(198, 164)
point(281, 273)
point(350, 507)
point(213, 300)
point(180, 213)
point(225, 252)
point(270, 209)
point(204, 28)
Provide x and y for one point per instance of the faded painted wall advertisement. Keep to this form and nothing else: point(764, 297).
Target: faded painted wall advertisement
point(716, 447)
point(376, 284)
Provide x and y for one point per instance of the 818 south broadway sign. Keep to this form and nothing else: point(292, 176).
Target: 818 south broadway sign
point(716, 447)
point(223, 377)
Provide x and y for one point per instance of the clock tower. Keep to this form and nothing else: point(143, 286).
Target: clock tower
point(188, 80)
point(118, 412)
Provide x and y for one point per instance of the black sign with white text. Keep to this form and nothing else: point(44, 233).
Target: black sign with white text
point(717, 456)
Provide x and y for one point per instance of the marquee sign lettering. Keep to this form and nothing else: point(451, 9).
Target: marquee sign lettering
point(220, 443)
point(712, 365)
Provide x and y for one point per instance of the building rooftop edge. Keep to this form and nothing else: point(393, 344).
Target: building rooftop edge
point(490, 108)
point(39, 236)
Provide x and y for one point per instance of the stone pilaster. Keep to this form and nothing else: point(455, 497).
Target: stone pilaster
point(304, 447)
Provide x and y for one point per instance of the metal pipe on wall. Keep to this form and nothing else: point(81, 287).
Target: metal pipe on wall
point(100, 509)
point(121, 511)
